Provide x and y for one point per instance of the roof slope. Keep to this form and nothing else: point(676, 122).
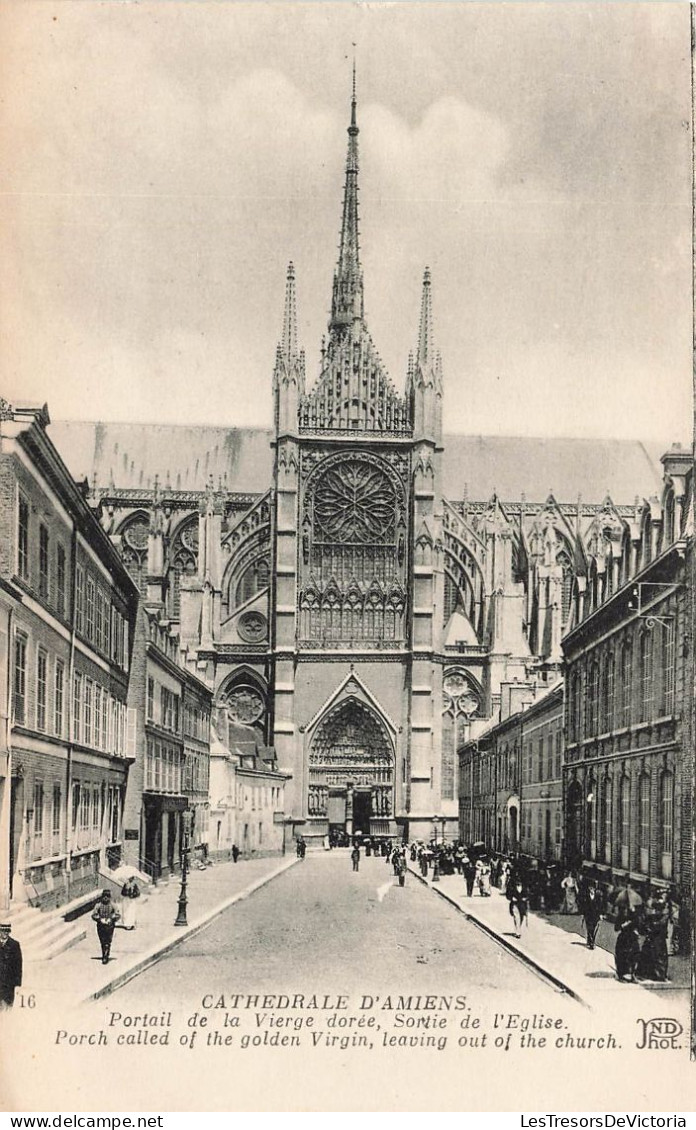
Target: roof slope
point(184, 457)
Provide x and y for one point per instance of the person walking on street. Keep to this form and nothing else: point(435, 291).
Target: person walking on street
point(469, 875)
point(130, 891)
point(627, 948)
point(592, 912)
point(519, 905)
point(400, 868)
point(235, 852)
point(106, 916)
point(355, 856)
point(10, 966)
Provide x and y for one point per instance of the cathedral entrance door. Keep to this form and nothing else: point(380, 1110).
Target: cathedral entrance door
point(351, 769)
point(336, 809)
point(362, 807)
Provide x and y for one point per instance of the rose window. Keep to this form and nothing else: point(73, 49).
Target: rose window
point(354, 502)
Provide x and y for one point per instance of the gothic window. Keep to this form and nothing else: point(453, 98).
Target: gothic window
point(451, 597)
point(246, 705)
point(184, 564)
point(255, 577)
point(134, 535)
point(566, 585)
point(353, 538)
point(354, 504)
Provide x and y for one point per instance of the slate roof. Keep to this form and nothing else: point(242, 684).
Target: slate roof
point(183, 457)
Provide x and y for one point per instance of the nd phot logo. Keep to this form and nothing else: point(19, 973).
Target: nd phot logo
point(660, 1033)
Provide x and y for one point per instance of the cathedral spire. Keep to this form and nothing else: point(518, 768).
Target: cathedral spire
point(289, 338)
point(347, 299)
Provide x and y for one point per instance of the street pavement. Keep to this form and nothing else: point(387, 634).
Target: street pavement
point(559, 950)
point(322, 927)
point(78, 973)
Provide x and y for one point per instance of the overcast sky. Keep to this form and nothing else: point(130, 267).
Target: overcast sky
point(164, 161)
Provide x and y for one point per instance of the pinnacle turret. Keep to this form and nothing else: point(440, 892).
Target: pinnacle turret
point(289, 339)
point(289, 371)
point(425, 380)
point(425, 333)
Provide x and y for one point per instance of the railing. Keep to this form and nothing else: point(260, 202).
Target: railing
point(149, 868)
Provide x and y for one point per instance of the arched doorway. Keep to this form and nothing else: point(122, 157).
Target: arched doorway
point(351, 771)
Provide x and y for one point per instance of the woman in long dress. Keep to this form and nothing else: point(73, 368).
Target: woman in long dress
point(570, 894)
point(130, 892)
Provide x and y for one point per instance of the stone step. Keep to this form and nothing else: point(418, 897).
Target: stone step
point(47, 947)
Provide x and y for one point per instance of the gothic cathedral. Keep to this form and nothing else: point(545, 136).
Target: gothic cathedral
point(356, 612)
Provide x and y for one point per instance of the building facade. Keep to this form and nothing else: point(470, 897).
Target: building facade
point(628, 773)
point(247, 798)
point(510, 778)
point(170, 773)
point(67, 610)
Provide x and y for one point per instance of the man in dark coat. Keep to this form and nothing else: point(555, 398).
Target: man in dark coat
point(10, 966)
point(106, 916)
point(592, 908)
point(469, 869)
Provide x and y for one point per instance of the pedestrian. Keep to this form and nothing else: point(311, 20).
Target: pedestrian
point(673, 922)
point(570, 894)
point(235, 852)
point(355, 856)
point(519, 905)
point(469, 875)
point(654, 956)
point(400, 868)
point(504, 876)
point(592, 912)
point(10, 966)
point(483, 874)
point(130, 891)
point(106, 916)
point(627, 948)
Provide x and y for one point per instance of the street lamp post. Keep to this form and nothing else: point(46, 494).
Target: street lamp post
point(181, 919)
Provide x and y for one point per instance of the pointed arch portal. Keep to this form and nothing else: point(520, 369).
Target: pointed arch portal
point(351, 769)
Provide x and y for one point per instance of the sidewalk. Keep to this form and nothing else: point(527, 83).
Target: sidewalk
point(558, 953)
point(78, 975)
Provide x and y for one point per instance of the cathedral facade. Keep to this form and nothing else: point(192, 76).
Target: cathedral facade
point(355, 617)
